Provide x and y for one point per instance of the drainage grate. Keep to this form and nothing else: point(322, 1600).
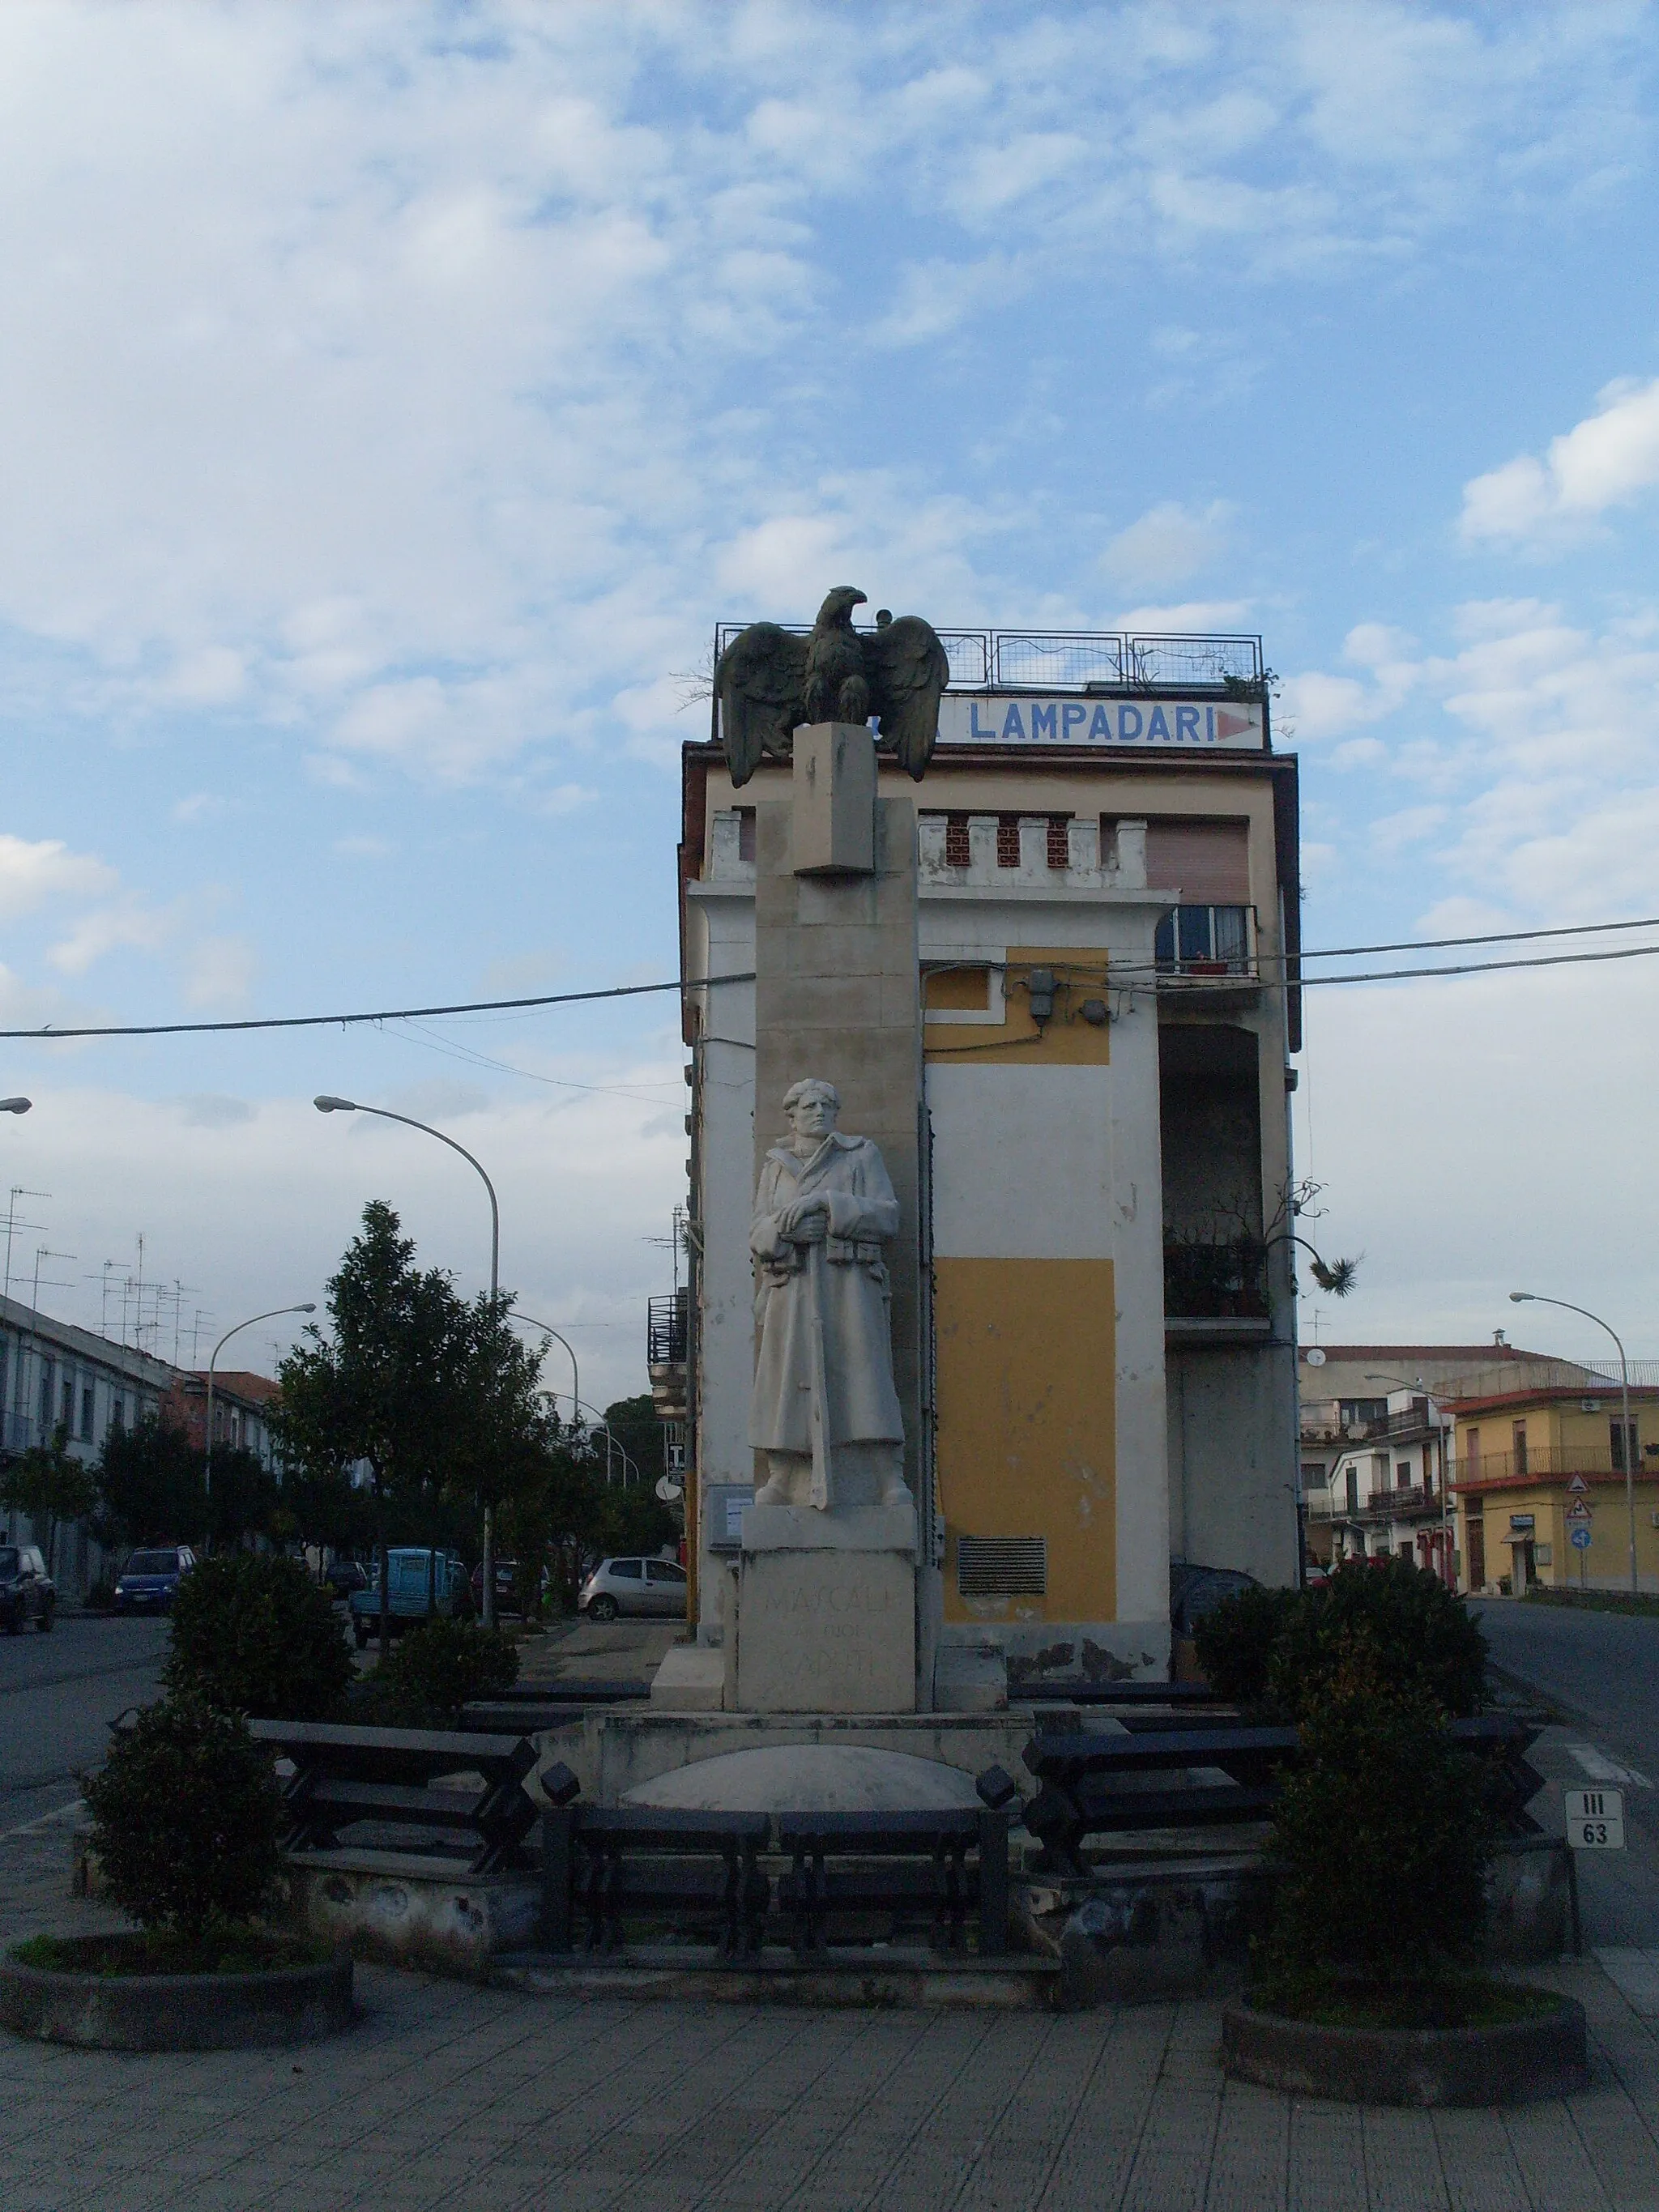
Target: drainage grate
point(1002, 1566)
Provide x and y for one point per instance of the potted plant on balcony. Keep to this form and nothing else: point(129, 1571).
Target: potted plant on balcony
point(1366, 1981)
point(185, 1825)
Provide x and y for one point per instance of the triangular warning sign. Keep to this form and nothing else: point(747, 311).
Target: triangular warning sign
point(1578, 1487)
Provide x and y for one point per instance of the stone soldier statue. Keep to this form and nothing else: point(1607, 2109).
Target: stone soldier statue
point(824, 1410)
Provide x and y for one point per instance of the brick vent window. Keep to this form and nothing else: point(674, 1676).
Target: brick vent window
point(955, 841)
point(1060, 847)
point(1007, 841)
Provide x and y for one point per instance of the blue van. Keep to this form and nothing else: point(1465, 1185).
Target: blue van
point(149, 1581)
point(419, 1584)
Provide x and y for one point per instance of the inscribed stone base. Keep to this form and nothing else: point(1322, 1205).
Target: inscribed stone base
point(827, 1624)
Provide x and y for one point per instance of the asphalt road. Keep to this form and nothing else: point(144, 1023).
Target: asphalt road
point(1599, 1669)
point(59, 1694)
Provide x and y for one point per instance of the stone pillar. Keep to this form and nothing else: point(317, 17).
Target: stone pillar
point(826, 1609)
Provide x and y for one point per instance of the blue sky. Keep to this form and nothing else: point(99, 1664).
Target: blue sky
point(392, 398)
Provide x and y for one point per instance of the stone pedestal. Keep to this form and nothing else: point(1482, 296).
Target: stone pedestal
point(826, 1613)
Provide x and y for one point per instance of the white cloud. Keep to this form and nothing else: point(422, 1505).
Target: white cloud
point(220, 972)
point(131, 922)
point(1606, 460)
point(30, 874)
point(1167, 544)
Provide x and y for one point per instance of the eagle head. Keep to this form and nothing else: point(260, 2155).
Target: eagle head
point(838, 605)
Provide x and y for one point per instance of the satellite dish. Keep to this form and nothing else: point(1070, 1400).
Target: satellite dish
point(1316, 1358)
point(669, 1491)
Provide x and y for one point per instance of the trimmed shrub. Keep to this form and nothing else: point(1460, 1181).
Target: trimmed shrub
point(1380, 1845)
point(252, 1633)
point(185, 1815)
point(1422, 1638)
point(1235, 1642)
point(435, 1669)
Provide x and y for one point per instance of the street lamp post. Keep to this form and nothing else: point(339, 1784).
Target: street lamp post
point(327, 1104)
point(1628, 1454)
point(529, 1321)
point(309, 1307)
point(16, 1105)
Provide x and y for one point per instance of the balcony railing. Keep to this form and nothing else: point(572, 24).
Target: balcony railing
point(1215, 1282)
point(1552, 1463)
point(1085, 660)
point(1381, 1506)
point(667, 1331)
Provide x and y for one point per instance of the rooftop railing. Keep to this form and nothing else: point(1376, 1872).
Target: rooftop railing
point(1082, 660)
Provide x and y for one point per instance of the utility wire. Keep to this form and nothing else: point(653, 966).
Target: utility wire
point(53, 1035)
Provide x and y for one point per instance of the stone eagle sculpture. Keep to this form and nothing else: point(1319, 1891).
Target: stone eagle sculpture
point(769, 682)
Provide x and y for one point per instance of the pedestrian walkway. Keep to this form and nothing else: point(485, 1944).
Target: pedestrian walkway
point(448, 2098)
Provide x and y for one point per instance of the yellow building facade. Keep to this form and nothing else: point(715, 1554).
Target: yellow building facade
point(1531, 1467)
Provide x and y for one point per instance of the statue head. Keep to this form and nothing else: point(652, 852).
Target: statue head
point(812, 1106)
point(838, 605)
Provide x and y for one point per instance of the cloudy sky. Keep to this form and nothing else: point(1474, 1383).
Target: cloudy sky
point(393, 398)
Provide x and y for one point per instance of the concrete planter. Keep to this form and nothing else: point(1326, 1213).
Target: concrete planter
point(1543, 2057)
point(176, 2012)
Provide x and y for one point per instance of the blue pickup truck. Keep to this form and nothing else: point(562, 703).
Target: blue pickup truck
point(419, 1584)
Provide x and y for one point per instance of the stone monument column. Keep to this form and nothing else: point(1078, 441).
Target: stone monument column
point(825, 1598)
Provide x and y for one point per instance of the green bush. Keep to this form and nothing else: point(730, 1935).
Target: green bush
point(1379, 1848)
point(1422, 1636)
point(1279, 1649)
point(1235, 1641)
point(185, 1815)
point(252, 1633)
point(435, 1669)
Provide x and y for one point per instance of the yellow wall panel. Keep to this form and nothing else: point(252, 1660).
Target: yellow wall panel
point(1066, 1040)
point(1026, 1425)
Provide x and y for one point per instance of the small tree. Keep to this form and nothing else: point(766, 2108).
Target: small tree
point(252, 1634)
point(51, 1486)
point(1380, 1845)
point(436, 1669)
point(1234, 1642)
point(149, 1487)
point(186, 1816)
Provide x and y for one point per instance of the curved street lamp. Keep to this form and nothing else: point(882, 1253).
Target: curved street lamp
point(213, 1362)
point(529, 1321)
point(16, 1105)
point(328, 1104)
point(1628, 1454)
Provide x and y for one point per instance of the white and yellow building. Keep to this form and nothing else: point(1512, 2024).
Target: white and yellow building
point(1108, 904)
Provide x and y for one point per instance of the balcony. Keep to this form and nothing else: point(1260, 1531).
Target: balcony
point(667, 1344)
point(1221, 1281)
point(1381, 1506)
point(1553, 1463)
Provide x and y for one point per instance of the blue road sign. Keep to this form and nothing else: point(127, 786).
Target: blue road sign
point(1579, 1539)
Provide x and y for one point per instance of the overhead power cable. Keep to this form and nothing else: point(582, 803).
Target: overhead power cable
point(51, 1034)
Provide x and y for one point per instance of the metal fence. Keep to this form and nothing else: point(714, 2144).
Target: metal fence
point(1079, 660)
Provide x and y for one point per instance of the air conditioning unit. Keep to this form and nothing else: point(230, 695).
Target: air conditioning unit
point(1589, 1405)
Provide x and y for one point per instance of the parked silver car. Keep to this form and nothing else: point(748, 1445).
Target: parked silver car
point(655, 1587)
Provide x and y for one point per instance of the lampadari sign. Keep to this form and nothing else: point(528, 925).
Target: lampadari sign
point(1155, 725)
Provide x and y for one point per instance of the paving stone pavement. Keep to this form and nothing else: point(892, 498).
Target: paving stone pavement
point(449, 2096)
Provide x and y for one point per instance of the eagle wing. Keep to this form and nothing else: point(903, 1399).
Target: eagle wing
point(907, 669)
point(759, 683)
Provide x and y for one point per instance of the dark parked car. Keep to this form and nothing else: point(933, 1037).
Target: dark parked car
point(149, 1581)
point(345, 1575)
point(506, 1586)
point(27, 1591)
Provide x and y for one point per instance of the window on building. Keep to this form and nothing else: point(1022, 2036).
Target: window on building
point(1402, 1475)
point(1472, 1457)
point(1313, 1474)
point(48, 1382)
point(745, 833)
point(117, 1412)
point(87, 1403)
point(1206, 861)
point(1518, 1439)
point(1204, 939)
point(1360, 1412)
point(66, 1402)
point(1615, 1437)
point(1353, 1486)
point(1210, 1119)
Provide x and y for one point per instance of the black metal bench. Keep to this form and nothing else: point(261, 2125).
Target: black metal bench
point(345, 1775)
point(1089, 1781)
point(1093, 1782)
point(601, 1864)
point(897, 1863)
